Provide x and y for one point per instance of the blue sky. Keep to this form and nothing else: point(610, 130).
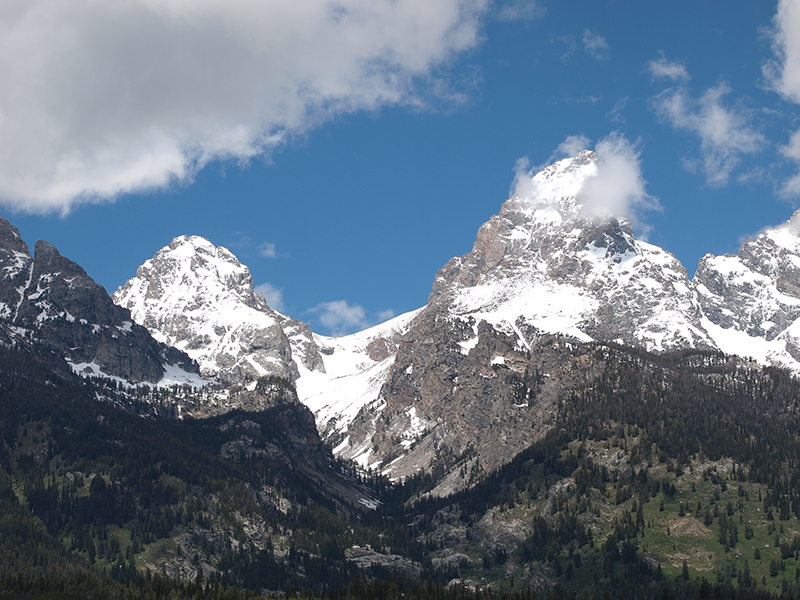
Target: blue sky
point(347, 158)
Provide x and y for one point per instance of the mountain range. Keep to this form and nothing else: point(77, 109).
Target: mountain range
point(431, 383)
point(569, 411)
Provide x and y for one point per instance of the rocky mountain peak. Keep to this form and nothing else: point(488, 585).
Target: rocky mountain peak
point(10, 239)
point(50, 300)
point(546, 263)
point(751, 300)
point(213, 265)
point(200, 298)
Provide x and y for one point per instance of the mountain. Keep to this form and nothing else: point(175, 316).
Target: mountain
point(476, 375)
point(751, 301)
point(50, 301)
point(199, 298)
point(558, 418)
point(542, 266)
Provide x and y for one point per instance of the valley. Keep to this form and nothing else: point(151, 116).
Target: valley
point(569, 414)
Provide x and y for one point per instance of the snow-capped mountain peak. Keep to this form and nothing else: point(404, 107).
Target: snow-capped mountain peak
point(547, 265)
point(554, 193)
point(199, 298)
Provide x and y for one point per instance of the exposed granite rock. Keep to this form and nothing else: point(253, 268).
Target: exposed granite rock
point(365, 558)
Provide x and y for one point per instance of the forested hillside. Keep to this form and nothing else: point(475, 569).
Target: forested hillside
point(674, 472)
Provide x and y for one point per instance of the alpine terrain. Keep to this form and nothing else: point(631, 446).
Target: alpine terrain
point(568, 415)
point(50, 301)
point(473, 377)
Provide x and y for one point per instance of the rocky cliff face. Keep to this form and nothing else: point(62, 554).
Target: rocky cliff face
point(50, 299)
point(199, 298)
point(751, 301)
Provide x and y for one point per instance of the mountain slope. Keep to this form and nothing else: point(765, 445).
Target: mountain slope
point(48, 299)
point(356, 367)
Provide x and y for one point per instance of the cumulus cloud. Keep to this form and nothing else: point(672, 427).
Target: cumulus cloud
point(725, 132)
point(272, 294)
point(340, 318)
point(268, 250)
point(618, 190)
point(783, 73)
point(667, 69)
point(520, 10)
point(104, 98)
point(595, 44)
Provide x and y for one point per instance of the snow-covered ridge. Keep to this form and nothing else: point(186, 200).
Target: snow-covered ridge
point(355, 369)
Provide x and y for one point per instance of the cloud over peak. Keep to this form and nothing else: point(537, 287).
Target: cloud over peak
point(617, 190)
point(100, 99)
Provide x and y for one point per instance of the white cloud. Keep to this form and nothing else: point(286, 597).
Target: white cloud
point(618, 189)
point(615, 114)
point(725, 132)
point(268, 250)
point(667, 69)
point(520, 10)
point(341, 318)
point(791, 187)
point(783, 73)
point(595, 44)
point(571, 145)
point(104, 98)
point(273, 295)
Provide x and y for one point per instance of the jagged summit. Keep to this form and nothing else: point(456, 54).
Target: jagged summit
point(199, 298)
point(751, 301)
point(543, 266)
point(557, 187)
point(50, 300)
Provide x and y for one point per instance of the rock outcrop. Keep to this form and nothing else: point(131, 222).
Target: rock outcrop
point(51, 299)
